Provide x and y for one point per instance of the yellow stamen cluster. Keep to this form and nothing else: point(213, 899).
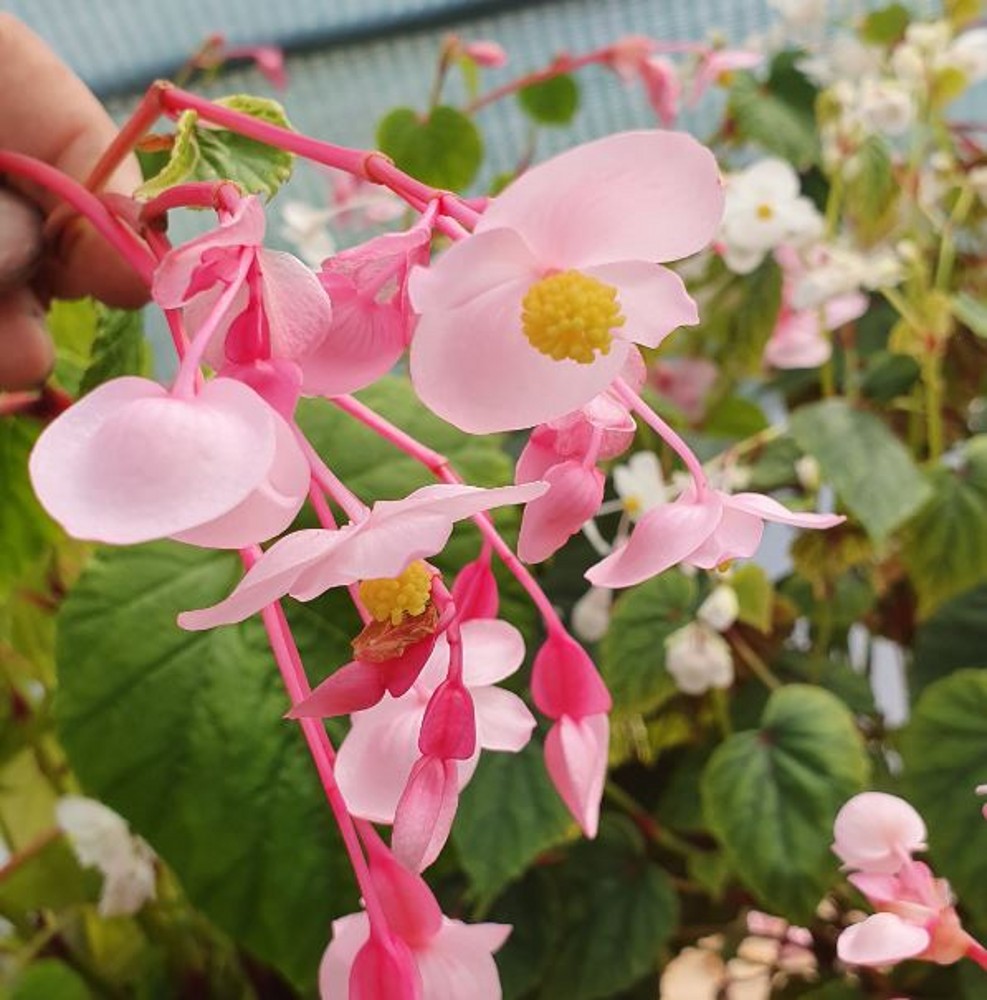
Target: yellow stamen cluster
point(765, 211)
point(396, 597)
point(570, 315)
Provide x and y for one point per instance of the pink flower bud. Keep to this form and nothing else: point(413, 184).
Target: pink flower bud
point(449, 727)
point(564, 680)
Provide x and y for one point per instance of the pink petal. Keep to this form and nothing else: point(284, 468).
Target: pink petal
point(384, 970)
point(349, 934)
point(375, 759)
point(269, 509)
point(269, 579)
point(351, 688)
point(503, 721)
point(664, 90)
point(845, 309)
point(475, 591)
point(402, 671)
point(652, 298)
point(663, 537)
point(798, 342)
point(538, 455)
point(425, 812)
point(565, 681)
point(474, 367)
point(574, 496)
point(298, 310)
point(129, 463)
point(881, 939)
point(448, 729)
point(412, 911)
point(652, 196)
point(737, 536)
point(471, 268)
point(396, 532)
point(458, 963)
point(877, 833)
point(771, 510)
point(492, 650)
point(576, 759)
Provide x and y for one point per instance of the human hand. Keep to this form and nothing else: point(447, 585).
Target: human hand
point(48, 113)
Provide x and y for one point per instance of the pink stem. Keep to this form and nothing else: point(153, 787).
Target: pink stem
point(325, 517)
point(194, 194)
point(354, 508)
point(441, 468)
point(978, 953)
point(86, 204)
point(662, 429)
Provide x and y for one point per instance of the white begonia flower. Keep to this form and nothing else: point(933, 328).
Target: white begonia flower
point(968, 54)
point(698, 659)
point(846, 58)
point(640, 484)
point(720, 609)
point(101, 839)
point(885, 106)
point(306, 229)
point(909, 65)
point(808, 472)
point(802, 13)
point(931, 38)
point(591, 614)
point(693, 974)
point(764, 210)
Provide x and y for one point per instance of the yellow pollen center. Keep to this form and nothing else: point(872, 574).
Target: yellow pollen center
point(395, 597)
point(570, 315)
point(765, 211)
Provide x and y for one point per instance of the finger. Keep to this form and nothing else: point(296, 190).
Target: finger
point(21, 241)
point(48, 113)
point(26, 353)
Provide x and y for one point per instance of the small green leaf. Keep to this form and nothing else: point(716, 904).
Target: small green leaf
point(868, 466)
point(945, 754)
point(768, 120)
point(971, 312)
point(945, 544)
point(443, 149)
point(25, 529)
point(755, 596)
point(735, 418)
point(73, 327)
point(619, 912)
point(119, 349)
point(201, 153)
point(551, 102)
point(632, 655)
point(49, 979)
point(49, 880)
point(508, 815)
point(889, 376)
point(770, 796)
point(886, 25)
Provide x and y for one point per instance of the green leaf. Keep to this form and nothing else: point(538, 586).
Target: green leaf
point(49, 880)
point(945, 544)
point(868, 466)
point(771, 122)
point(443, 149)
point(49, 979)
point(508, 815)
point(889, 376)
point(182, 733)
point(25, 529)
point(119, 349)
point(73, 327)
point(945, 754)
point(775, 465)
point(886, 25)
point(755, 596)
point(201, 153)
point(872, 193)
point(619, 912)
point(952, 638)
point(632, 654)
point(734, 418)
point(971, 312)
point(770, 796)
point(551, 102)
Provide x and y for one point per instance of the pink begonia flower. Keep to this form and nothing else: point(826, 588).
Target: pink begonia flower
point(483, 52)
point(378, 754)
point(877, 833)
point(685, 383)
point(717, 66)
point(536, 313)
point(371, 317)
point(912, 900)
point(307, 563)
point(574, 496)
point(566, 687)
point(799, 338)
point(130, 462)
point(455, 963)
point(663, 88)
point(701, 530)
point(280, 311)
point(626, 54)
point(268, 59)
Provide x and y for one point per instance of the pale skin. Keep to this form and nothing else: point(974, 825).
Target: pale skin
point(48, 113)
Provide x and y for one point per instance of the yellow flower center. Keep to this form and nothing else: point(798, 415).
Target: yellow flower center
point(765, 211)
point(395, 597)
point(570, 315)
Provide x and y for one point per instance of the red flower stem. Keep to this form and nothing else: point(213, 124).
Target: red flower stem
point(442, 469)
point(195, 194)
point(662, 429)
point(130, 248)
point(977, 953)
